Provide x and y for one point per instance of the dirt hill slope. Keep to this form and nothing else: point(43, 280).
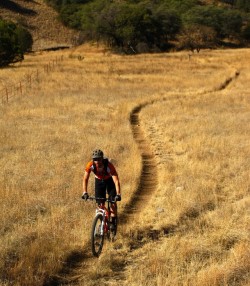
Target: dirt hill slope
point(41, 20)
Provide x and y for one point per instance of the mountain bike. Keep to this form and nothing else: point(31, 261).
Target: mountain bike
point(102, 226)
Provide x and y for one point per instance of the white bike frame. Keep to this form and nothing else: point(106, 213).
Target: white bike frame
point(103, 213)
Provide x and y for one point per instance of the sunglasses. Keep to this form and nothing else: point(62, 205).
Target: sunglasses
point(97, 159)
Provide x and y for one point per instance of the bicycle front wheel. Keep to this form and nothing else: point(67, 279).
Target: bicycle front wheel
point(97, 235)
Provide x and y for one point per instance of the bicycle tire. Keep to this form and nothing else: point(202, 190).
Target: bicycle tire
point(114, 231)
point(97, 235)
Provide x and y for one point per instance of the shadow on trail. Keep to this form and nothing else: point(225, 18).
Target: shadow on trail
point(71, 263)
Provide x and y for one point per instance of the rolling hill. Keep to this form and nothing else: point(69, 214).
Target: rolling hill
point(42, 21)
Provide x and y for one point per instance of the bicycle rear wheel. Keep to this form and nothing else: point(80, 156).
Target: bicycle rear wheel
point(97, 235)
point(113, 228)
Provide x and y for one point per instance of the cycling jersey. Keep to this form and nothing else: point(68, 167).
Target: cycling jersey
point(105, 172)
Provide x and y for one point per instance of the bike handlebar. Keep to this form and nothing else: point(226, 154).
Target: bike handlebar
point(102, 199)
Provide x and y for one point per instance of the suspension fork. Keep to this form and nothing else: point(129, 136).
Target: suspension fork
point(101, 212)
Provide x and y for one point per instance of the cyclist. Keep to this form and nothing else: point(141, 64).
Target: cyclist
point(106, 180)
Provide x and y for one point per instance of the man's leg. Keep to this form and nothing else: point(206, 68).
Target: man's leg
point(100, 190)
point(112, 193)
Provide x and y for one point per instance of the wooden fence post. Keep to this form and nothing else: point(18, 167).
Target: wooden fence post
point(21, 88)
point(29, 79)
point(7, 95)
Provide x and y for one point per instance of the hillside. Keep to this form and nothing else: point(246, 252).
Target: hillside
point(41, 20)
point(49, 33)
point(184, 118)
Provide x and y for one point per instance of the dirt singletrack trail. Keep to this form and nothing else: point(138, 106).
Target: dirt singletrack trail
point(148, 177)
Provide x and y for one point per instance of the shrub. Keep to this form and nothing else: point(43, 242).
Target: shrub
point(196, 38)
point(125, 25)
point(14, 42)
point(244, 5)
point(225, 22)
point(246, 32)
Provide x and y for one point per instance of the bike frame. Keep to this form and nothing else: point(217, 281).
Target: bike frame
point(105, 212)
point(101, 225)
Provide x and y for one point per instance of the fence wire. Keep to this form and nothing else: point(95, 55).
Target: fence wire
point(9, 92)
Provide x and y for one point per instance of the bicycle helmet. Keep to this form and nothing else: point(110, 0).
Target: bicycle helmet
point(97, 154)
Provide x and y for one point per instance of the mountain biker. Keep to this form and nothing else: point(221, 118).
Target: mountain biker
point(106, 180)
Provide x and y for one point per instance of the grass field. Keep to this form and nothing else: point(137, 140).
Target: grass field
point(193, 228)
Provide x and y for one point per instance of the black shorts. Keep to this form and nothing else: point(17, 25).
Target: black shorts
point(105, 186)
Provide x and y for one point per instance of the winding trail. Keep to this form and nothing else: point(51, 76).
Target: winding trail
point(148, 177)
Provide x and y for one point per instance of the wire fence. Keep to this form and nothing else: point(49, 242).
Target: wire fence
point(9, 92)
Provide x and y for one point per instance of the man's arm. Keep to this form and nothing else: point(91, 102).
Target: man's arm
point(85, 182)
point(117, 184)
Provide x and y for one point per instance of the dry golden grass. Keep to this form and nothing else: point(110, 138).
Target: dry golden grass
point(198, 134)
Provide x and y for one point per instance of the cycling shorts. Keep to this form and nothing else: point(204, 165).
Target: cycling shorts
point(105, 186)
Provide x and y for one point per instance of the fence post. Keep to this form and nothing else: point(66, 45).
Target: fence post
point(21, 90)
point(7, 95)
point(30, 79)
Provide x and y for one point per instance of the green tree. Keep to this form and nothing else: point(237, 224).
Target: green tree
point(14, 42)
point(243, 5)
point(70, 16)
point(152, 24)
point(125, 25)
point(180, 6)
point(225, 22)
point(24, 39)
point(58, 4)
point(163, 26)
point(195, 37)
point(246, 32)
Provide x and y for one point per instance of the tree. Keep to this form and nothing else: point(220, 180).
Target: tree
point(225, 22)
point(196, 38)
point(24, 39)
point(125, 25)
point(246, 32)
point(14, 42)
point(243, 5)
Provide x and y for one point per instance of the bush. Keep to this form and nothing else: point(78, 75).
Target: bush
point(180, 6)
point(225, 22)
point(246, 32)
point(125, 25)
point(14, 42)
point(69, 15)
point(150, 25)
point(59, 4)
point(244, 5)
point(196, 38)
point(24, 39)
